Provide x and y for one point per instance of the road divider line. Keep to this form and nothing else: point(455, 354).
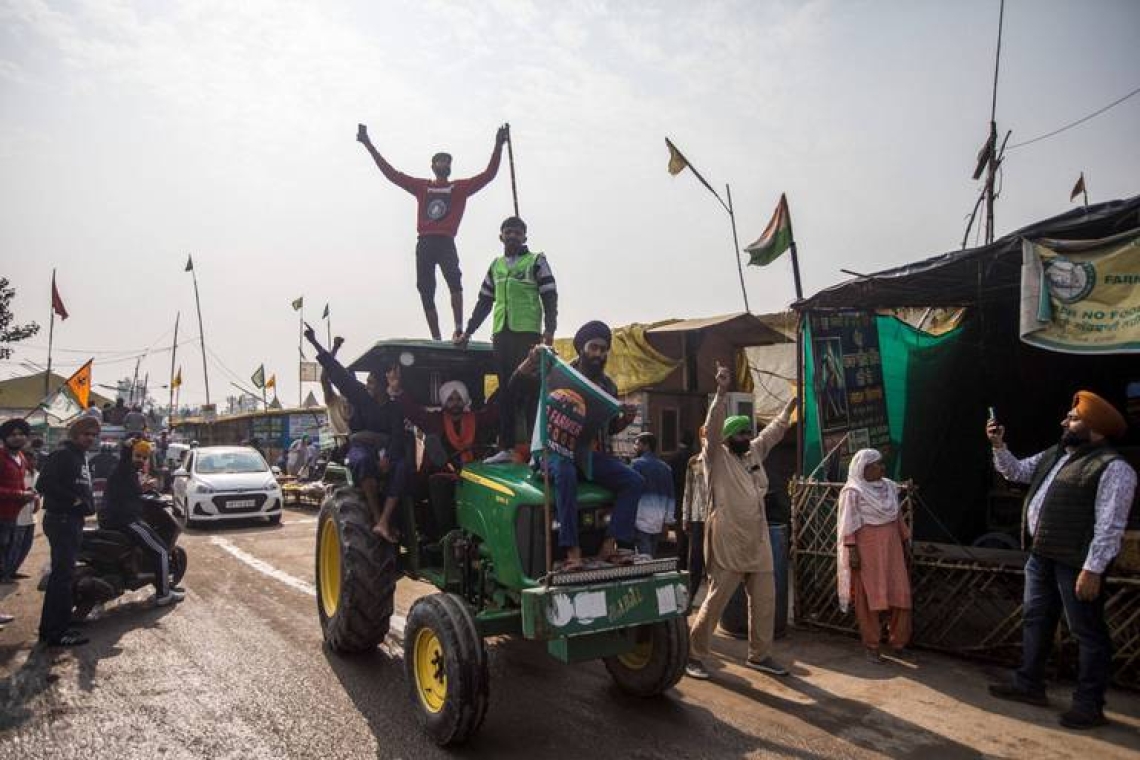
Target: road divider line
point(293, 582)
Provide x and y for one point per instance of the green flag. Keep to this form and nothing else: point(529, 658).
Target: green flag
point(298, 303)
point(259, 377)
point(572, 411)
point(776, 239)
point(189, 263)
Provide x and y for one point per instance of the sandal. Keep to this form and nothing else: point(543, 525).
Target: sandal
point(570, 566)
point(620, 557)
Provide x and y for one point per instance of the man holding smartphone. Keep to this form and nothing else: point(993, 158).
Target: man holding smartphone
point(1073, 519)
point(440, 204)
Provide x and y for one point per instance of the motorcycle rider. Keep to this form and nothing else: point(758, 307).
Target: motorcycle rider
point(123, 512)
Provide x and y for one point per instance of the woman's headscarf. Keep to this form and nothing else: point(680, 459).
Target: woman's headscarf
point(861, 502)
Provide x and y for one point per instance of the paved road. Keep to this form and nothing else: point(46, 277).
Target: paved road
point(238, 670)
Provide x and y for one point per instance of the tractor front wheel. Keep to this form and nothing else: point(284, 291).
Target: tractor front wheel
point(657, 660)
point(446, 666)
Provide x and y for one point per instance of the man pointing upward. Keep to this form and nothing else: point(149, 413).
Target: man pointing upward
point(441, 203)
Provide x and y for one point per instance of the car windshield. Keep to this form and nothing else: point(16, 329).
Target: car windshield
point(230, 462)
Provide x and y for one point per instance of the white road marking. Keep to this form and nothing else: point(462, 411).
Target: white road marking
point(397, 621)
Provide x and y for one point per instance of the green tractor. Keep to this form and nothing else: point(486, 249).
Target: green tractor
point(486, 545)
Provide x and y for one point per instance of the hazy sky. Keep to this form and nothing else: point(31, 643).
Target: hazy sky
point(132, 134)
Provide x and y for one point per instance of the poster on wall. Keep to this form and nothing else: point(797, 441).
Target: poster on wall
point(848, 390)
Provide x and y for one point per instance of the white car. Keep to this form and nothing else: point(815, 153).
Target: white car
point(225, 483)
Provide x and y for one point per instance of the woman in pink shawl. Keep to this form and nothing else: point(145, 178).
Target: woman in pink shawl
point(872, 562)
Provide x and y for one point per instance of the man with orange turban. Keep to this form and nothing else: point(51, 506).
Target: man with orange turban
point(1073, 519)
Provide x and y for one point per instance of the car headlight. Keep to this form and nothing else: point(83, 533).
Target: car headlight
point(270, 485)
point(203, 488)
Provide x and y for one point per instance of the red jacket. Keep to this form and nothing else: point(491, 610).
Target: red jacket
point(12, 486)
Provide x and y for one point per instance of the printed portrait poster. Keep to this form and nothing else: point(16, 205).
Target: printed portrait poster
point(848, 386)
point(571, 412)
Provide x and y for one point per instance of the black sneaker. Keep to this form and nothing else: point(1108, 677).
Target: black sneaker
point(68, 639)
point(1015, 693)
point(767, 665)
point(1083, 719)
point(696, 669)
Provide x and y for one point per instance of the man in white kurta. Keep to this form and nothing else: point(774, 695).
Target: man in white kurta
point(737, 548)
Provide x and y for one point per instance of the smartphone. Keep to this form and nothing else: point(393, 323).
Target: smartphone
point(993, 415)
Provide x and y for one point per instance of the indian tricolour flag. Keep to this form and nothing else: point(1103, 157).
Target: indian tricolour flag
point(776, 239)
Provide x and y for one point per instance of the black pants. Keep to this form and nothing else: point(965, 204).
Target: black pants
point(64, 532)
point(146, 538)
point(510, 350)
point(433, 250)
point(696, 557)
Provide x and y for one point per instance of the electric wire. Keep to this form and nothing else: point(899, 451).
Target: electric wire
point(1078, 122)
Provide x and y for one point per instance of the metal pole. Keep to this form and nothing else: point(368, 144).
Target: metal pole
point(51, 335)
point(173, 356)
point(801, 323)
point(300, 352)
point(736, 248)
point(511, 161)
point(201, 335)
point(993, 162)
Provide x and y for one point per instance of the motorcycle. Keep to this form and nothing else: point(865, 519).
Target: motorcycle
point(110, 564)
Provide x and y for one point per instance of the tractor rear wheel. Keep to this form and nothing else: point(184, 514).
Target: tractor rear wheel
point(356, 575)
point(657, 660)
point(446, 666)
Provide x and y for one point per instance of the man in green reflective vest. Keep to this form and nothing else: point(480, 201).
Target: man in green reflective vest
point(520, 295)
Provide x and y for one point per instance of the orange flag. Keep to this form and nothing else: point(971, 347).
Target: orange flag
point(80, 384)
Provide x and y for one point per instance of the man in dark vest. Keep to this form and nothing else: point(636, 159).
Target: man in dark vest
point(1080, 492)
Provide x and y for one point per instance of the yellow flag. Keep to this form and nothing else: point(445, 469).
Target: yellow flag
point(80, 384)
point(271, 382)
point(177, 381)
point(677, 162)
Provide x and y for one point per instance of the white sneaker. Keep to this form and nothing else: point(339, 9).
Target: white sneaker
point(503, 457)
point(170, 597)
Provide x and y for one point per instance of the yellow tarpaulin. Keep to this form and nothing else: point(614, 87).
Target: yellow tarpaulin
point(633, 363)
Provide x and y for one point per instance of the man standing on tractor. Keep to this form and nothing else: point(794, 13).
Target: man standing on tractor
point(592, 342)
point(380, 444)
point(520, 293)
point(736, 540)
point(440, 209)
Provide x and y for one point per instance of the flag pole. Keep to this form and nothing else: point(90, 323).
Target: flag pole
point(201, 333)
point(328, 324)
point(796, 270)
point(300, 352)
point(736, 247)
point(173, 356)
point(511, 161)
point(51, 335)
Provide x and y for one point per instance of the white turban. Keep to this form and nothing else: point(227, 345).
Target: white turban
point(454, 386)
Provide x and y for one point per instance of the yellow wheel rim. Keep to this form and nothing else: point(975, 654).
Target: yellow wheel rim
point(431, 673)
point(641, 655)
point(328, 567)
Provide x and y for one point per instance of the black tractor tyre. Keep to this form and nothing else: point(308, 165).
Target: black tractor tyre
point(178, 565)
point(356, 581)
point(442, 640)
point(657, 662)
